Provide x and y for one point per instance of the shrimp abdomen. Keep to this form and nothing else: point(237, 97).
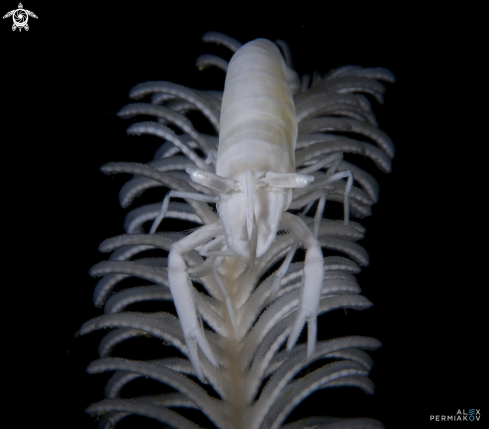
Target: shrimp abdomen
point(258, 120)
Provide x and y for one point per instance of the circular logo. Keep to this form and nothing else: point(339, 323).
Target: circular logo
point(20, 17)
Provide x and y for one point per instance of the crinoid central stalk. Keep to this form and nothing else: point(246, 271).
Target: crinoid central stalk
point(233, 370)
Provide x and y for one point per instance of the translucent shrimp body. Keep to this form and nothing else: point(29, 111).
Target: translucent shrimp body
point(258, 135)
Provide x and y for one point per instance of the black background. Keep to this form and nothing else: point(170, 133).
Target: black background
point(65, 79)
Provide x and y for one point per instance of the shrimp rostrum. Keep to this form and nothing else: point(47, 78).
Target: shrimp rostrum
point(277, 150)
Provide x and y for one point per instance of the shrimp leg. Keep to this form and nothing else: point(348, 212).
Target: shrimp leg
point(312, 283)
point(183, 295)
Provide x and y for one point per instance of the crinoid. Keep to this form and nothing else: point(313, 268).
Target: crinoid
point(237, 308)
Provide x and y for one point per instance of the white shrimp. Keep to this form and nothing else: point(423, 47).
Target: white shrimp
point(255, 175)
